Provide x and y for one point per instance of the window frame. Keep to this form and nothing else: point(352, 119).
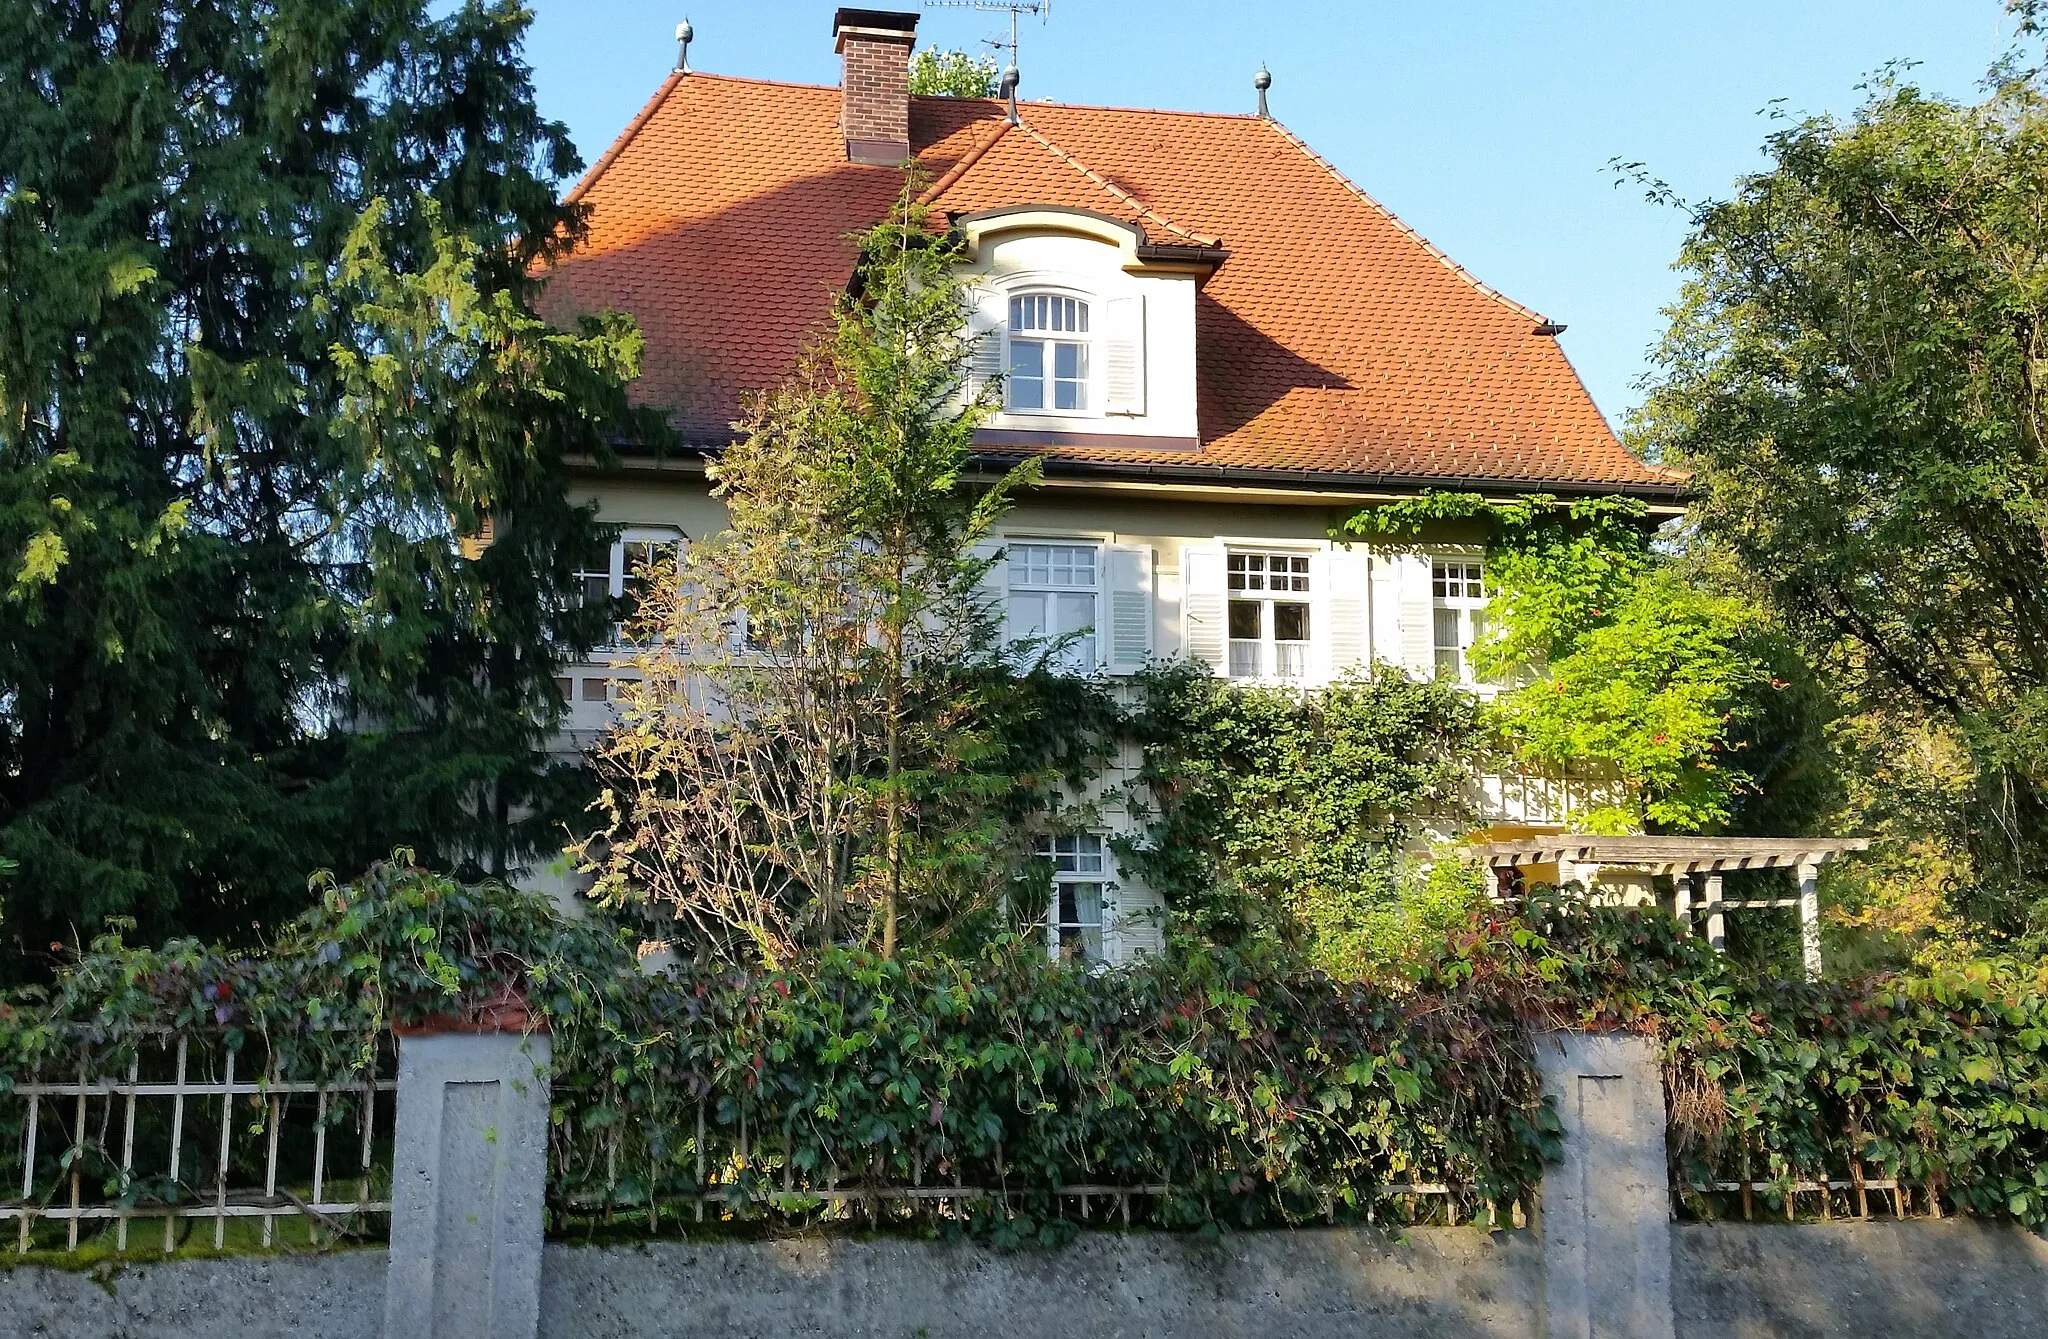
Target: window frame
point(1072, 661)
point(1047, 848)
point(1268, 642)
point(618, 573)
point(1088, 339)
point(1452, 575)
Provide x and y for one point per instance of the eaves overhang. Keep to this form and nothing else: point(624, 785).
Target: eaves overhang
point(1666, 498)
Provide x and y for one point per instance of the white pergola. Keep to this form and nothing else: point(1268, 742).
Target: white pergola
point(1696, 865)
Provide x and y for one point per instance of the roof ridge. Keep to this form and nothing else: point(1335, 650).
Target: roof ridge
point(1136, 111)
point(625, 137)
point(1115, 190)
point(969, 159)
point(1388, 214)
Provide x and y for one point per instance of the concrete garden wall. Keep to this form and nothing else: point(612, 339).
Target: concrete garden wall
point(1604, 1258)
point(1916, 1280)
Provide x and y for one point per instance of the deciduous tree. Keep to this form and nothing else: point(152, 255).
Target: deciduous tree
point(826, 719)
point(1855, 372)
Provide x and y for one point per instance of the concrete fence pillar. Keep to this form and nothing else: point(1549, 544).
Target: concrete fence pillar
point(468, 1184)
point(1605, 1213)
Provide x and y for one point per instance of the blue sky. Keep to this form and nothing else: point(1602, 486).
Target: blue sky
point(1487, 125)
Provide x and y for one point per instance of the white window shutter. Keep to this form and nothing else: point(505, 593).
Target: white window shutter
point(1123, 355)
point(1319, 671)
point(1204, 607)
point(992, 592)
point(1128, 644)
point(985, 324)
point(1350, 606)
point(1418, 615)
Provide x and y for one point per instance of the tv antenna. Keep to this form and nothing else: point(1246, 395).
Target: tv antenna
point(1039, 9)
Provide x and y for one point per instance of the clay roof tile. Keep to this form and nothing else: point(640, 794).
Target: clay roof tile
point(1335, 340)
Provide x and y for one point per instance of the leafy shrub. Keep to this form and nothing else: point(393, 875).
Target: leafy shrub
point(1255, 1098)
point(1937, 1078)
point(1252, 1095)
point(1280, 816)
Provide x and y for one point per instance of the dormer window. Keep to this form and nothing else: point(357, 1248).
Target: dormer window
point(1049, 354)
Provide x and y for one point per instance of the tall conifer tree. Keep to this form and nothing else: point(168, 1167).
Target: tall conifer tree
point(269, 374)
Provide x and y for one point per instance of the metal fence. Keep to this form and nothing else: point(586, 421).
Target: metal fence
point(662, 1176)
point(187, 1131)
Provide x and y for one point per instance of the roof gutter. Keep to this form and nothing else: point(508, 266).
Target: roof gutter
point(1323, 484)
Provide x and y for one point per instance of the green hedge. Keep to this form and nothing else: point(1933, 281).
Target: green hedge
point(1253, 1098)
point(1936, 1078)
point(1253, 1095)
point(1257, 1095)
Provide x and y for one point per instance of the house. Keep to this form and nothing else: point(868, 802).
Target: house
point(1218, 345)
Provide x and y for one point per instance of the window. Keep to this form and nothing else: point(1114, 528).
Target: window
point(623, 576)
point(1457, 590)
point(1269, 624)
point(1053, 592)
point(1049, 361)
point(1073, 922)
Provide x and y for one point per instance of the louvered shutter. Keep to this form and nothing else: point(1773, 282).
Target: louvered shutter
point(1418, 615)
point(992, 592)
point(1128, 643)
point(1204, 607)
point(1350, 607)
point(985, 337)
point(1123, 355)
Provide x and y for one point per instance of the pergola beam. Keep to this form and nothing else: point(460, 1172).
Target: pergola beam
point(1581, 855)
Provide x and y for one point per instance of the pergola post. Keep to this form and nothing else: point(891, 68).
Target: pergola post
point(1717, 916)
point(1681, 894)
point(1809, 917)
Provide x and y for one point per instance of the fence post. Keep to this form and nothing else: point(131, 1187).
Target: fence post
point(1605, 1210)
point(468, 1184)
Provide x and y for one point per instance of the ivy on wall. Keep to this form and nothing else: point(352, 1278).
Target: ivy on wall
point(1287, 817)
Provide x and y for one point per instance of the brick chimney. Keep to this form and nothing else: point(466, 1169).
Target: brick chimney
point(874, 83)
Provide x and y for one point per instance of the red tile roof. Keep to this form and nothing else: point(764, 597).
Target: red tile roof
point(1334, 341)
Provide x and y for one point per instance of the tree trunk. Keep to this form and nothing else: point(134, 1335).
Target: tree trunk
point(892, 897)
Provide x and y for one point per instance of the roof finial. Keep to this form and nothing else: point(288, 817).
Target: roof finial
point(684, 34)
point(1262, 81)
point(1011, 78)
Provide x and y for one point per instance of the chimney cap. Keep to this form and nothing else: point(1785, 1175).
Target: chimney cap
point(876, 21)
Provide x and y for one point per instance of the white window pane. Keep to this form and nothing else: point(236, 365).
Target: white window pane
point(1060, 566)
point(1290, 622)
point(1027, 614)
point(1447, 629)
point(1076, 613)
point(1070, 376)
point(1026, 384)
